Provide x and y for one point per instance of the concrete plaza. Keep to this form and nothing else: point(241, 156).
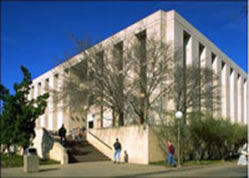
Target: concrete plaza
point(108, 169)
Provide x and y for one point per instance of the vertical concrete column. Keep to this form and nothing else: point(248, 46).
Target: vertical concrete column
point(175, 38)
point(157, 33)
point(163, 27)
point(246, 97)
point(225, 89)
point(66, 102)
point(191, 50)
point(36, 94)
point(193, 58)
point(218, 100)
point(194, 61)
point(46, 90)
point(60, 101)
point(215, 68)
point(233, 93)
point(163, 100)
point(240, 99)
point(100, 117)
point(51, 103)
point(55, 102)
point(42, 91)
point(205, 58)
point(171, 31)
point(205, 62)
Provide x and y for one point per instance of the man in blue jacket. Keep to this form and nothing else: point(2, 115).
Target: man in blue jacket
point(117, 147)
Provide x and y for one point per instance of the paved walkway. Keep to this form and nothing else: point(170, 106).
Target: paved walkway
point(108, 169)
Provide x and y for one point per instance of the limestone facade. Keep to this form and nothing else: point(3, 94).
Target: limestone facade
point(170, 27)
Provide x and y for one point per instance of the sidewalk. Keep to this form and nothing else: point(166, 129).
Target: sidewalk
point(108, 169)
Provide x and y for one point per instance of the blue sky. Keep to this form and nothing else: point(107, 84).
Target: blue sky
point(37, 34)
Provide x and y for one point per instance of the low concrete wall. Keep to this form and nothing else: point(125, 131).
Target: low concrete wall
point(91, 138)
point(140, 142)
point(155, 152)
point(134, 140)
point(58, 153)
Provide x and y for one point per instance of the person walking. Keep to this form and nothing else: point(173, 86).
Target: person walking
point(117, 147)
point(171, 150)
point(62, 134)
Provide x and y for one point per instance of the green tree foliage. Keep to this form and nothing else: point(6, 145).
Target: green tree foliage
point(7, 118)
point(213, 138)
point(19, 113)
point(204, 137)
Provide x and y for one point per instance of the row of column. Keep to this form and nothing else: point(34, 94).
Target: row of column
point(233, 92)
point(52, 119)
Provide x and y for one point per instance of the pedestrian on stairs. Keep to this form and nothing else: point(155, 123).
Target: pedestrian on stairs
point(117, 147)
point(62, 134)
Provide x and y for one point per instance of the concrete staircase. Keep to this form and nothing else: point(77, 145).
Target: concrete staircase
point(81, 151)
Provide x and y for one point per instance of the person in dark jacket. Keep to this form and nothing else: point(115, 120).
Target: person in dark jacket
point(117, 147)
point(171, 151)
point(62, 134)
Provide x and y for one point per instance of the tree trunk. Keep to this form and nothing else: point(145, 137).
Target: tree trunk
point(113, 119)
point(121, 119)
point(8, 149)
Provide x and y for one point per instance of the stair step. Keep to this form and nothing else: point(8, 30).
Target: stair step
point(95, 159)
point(90, 156)
point(90, 160)
point(82, 151)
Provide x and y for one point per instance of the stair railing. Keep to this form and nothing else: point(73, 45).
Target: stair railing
point(101, 141)
point(77, 131)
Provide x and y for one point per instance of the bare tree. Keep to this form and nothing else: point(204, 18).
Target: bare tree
point(97, 80)
point(119, 77)
point(153, 66)
point(134, 78)
point(195, 89)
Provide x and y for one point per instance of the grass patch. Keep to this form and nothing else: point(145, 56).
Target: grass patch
point(197, 163)
point(159, 163)
point(13, 160)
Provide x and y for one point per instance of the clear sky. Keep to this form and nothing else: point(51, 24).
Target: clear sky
point(37, 34)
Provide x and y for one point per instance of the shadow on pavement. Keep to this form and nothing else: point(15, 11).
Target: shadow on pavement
point(172, 170)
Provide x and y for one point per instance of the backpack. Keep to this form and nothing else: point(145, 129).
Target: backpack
point(117, 146)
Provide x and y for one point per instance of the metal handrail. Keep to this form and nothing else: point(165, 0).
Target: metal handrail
point(108, 146)
point(77, 130)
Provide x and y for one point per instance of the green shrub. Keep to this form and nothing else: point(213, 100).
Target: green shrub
point(204, 137)
point(213, 138)
point(11, 160)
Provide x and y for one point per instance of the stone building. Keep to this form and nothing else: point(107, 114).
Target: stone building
point(170, 27)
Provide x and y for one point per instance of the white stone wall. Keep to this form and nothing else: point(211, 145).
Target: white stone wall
point(51, 105)
point(231, 93)
point(132, 139)
point(170, 27)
